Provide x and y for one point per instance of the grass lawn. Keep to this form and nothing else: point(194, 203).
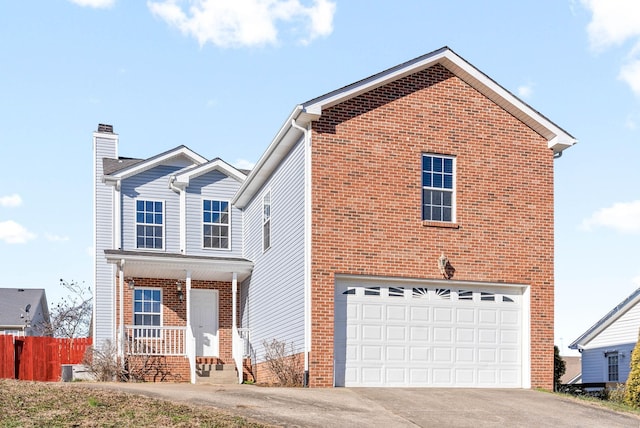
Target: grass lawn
point(38, 404)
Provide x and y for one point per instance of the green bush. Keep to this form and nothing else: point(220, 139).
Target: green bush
point(632, 395)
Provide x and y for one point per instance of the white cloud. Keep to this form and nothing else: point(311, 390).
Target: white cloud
point(97, 4)
point(613, 22)
point(623, 217)
point(244, 164)
point(245, 22)
point(56, 238)
point(14, 233)
point(525, 91)
point(630, 73)
point(10, 201)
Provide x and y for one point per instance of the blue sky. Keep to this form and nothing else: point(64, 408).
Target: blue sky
point(221, 76)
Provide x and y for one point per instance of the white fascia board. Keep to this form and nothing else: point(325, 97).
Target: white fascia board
point(186, 263)
point(556, 137)
point(157, 160)
point(280, 146)
point(215, 165)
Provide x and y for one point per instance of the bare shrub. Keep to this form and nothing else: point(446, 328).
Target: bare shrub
point(103, 362)
point(285, 366)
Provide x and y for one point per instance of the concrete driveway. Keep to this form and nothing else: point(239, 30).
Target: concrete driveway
point(387, 407)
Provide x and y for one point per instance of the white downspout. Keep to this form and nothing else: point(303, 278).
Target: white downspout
point(190, 342)
point(307, 245)
point(117, 226)
point(183, 213)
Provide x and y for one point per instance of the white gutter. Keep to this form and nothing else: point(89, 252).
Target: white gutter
point(307, 244)
point(183, 213)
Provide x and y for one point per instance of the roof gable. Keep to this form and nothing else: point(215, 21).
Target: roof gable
point(182, 178)
point(299, 120)
point(616, 313)
point(132, 168)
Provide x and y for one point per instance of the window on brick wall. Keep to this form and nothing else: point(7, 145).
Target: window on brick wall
point(266, 221)
point(147, 311)
point(215, 224)
point(149, 224)
point(438, 191)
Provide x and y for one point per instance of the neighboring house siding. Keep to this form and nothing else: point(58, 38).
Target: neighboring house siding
point(366, 208)
point(151, 185)
point(273, 306)
point(595, 364)
point(103, 222)
point(217, 186)
point(623, 330)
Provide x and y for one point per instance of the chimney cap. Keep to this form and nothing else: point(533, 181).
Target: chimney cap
point(105, 128)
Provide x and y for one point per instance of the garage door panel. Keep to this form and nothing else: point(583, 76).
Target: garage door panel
point(427, 336)
point(396, 313)
point(397, 333)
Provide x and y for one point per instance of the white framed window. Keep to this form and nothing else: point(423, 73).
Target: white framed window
point(149, 224)
point(266, 221)
point(612, 366)
point(438, 188)
point(216, 221)
point(147, 311)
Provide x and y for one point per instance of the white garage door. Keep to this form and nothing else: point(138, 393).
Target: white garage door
point(437, 336)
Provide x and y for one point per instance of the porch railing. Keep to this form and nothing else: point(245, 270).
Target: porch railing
point(151, 340)
point(240, 349)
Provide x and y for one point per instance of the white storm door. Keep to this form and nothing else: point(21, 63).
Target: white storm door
point(204, 321)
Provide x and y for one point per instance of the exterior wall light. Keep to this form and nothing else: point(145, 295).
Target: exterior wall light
point(131, 283)
point(180, 293)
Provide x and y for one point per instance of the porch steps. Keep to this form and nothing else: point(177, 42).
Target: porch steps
point(210, 370)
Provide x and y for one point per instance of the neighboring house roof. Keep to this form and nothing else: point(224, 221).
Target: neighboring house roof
point(573, 369)
point(302, 115)
point(134, 168)
point(14, 303)
point(607, 320)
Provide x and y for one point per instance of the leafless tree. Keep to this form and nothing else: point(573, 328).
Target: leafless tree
point(71, 316)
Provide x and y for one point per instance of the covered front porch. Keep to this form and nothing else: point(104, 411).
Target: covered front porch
point(183, 309)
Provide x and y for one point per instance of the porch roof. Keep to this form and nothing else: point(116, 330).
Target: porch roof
point(145, 264)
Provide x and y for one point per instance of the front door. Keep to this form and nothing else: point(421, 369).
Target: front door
point(204, 321)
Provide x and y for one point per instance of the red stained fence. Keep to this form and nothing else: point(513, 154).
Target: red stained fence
point(39, 358)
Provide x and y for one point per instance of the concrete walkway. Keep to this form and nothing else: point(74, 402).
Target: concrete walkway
point(387, 407)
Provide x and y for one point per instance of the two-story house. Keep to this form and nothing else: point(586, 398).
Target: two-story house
point(397, 232)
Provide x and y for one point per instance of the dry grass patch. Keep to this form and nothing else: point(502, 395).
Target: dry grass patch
point(37, 404)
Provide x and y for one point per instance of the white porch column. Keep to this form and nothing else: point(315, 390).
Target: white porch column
point(234, 301)
point(120, 341)
point(188, 293)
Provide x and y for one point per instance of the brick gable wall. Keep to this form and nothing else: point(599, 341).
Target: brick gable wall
point(366, 181)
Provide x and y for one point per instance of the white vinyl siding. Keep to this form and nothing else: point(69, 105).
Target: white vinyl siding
point(104, 273)
point(595, 363)
point(273, 305)
point(623, 330)
point(151, 185)
point(213, 185)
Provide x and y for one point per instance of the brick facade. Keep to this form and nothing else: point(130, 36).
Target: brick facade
point(366, 190)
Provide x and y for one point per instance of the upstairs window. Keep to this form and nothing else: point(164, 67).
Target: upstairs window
point(149, 224)
point(215, 229)
point(266, 221)
point(437, 188)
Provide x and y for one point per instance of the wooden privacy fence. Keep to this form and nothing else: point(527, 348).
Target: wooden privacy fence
point(39, 358)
